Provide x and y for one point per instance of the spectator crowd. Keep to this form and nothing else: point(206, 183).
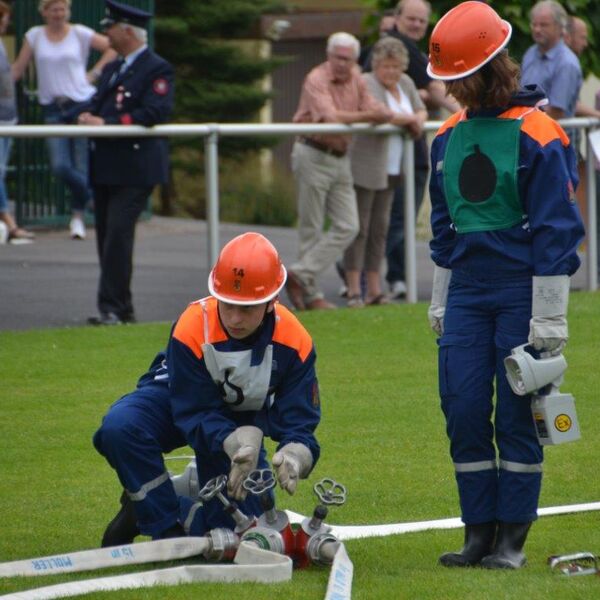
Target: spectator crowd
point(349, 189)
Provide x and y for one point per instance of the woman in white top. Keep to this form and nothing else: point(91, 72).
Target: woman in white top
point(61, 50)
point(376, 162)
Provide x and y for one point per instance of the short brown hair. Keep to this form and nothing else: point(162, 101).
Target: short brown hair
point(491, 86)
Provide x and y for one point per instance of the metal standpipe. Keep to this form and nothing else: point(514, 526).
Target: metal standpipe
point(212, 131)
point(410, 242)
point(592, 213)
point(211, 171)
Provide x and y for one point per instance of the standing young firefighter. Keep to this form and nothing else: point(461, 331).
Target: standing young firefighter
point(505, 233)
point(239, 366)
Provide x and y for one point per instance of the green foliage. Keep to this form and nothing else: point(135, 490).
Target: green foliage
point(382, 434)
point(248, 193)
point(217, 19)
point(217, 80)
point(517, 13)
point(219, 70)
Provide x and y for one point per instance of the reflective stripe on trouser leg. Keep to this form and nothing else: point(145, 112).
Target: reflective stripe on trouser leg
point(521, 456)
point(147, 487)
point(133, 436)
point(466, 372)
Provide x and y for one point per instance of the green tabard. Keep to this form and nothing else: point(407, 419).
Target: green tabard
point(480, 174)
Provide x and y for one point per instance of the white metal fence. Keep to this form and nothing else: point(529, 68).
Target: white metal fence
point(211, 132)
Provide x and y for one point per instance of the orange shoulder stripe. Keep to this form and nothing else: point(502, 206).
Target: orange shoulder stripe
point(291, 333)
point(190, 326)
point(450, 122)
point(537, 125)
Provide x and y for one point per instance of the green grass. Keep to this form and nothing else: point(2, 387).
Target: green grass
point(382, 435)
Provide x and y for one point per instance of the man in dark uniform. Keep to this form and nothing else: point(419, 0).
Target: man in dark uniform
point(136, 89)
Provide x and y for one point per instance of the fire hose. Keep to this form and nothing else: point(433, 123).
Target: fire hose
point(263, 550)
point(252, 561)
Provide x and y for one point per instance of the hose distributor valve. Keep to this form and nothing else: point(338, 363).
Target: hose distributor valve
point(314, 541)
point(273, 530)
point(214, 488)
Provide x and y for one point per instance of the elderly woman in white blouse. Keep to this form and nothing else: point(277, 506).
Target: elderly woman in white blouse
point(376, 165)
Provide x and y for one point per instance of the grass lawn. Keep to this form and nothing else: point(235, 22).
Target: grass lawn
point(382, 435)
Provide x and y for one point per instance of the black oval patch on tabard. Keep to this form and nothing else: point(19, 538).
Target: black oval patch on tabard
point(477, 177)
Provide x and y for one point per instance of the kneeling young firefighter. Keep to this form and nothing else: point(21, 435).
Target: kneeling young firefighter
point(505, 235)
point(239, 366)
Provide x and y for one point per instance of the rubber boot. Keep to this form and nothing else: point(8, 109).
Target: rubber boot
point(123, 528)
point(508, 553)
point(479, 541)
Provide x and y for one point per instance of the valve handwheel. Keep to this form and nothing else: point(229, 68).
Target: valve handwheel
point(330, 492)
point(259, 481)
point(212, 488)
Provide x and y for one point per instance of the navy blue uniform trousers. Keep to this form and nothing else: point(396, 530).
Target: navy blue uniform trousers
point(484, 320)
point(134, 434)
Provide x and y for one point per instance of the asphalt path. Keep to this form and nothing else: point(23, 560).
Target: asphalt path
point(53, 282)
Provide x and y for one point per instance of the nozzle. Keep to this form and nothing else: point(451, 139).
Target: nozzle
point(527, 374)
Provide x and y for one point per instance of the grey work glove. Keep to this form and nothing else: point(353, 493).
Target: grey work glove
point(439, 297)
point(294, 461)
point(243, 448)
point(548, 330)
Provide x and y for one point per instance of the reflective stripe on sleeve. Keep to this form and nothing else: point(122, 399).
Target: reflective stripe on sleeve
point(471, 467)
point(148, 487)
point(190, 517)
point(516, 467)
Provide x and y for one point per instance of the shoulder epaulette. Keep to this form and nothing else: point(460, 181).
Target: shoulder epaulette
point(199, 323)
point(449, 123)
point(291, 333)
point(537, 125)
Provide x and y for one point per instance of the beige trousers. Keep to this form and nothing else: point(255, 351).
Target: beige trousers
point(325, 196)
point(367, 250)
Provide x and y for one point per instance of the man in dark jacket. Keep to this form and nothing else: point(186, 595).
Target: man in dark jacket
point(136, 89)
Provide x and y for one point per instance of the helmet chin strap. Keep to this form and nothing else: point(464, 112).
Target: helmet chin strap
point(249, 338)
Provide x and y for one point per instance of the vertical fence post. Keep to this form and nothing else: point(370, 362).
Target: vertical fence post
point(410, 254)
point(592, 211)
point(211, 173)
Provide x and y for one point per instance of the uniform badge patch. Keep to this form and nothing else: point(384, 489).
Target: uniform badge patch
point(316, 396)
point(571, 192)
point(160, 86)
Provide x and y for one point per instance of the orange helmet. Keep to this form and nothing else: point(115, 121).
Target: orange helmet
point(248, 271)
point(464, 39)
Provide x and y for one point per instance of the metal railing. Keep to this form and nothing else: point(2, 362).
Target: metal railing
point(211, 132)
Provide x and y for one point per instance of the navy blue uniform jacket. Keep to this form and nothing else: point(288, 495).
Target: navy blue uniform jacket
point(142, 95)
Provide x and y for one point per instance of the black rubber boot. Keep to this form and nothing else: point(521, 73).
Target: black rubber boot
point(508, 552)
point(479, 541)
point(123, 528)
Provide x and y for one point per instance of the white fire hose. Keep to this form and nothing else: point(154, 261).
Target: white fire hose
point(251, 563)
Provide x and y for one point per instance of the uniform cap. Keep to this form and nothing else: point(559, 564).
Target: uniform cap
point(467, 37)
point(116, 12)
point(247, 272)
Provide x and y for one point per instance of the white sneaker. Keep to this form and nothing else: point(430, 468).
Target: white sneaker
point(77, 228)
point(3, 233)
point(397, 290)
